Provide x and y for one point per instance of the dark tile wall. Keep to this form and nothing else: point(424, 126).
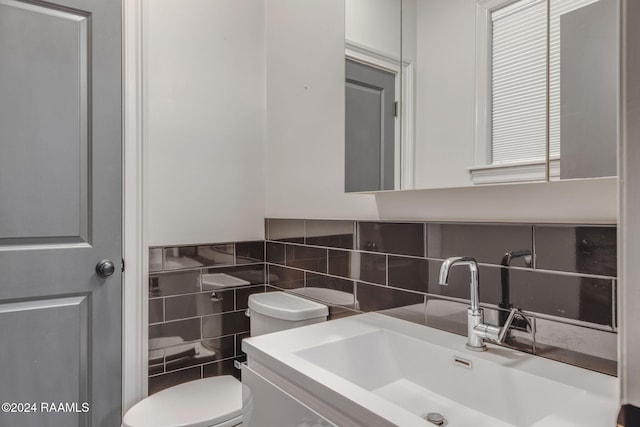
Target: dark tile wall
point(563, 277)
point(196, 328)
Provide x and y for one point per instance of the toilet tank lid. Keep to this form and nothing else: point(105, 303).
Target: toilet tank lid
point(326, 296)
point(199, 403)
point(286, 306)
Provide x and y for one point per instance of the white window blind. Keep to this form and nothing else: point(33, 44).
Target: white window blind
point(519, 78)
point(518, 82)
point(557, 8)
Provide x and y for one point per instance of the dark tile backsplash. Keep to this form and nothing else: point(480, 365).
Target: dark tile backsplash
point(156, 310)
point(562, 276)
point(285, 278)
point(333, 234)
point(374, 298)
point(393, 238)
point(285, 230)
point(184, 282)
point(202, 304)
point(306, 258)
point(589, 250)
point(195, 325)
point(249, 252)
point(172, 333)
point(487, 243)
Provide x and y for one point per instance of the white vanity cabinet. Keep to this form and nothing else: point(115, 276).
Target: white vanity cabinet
point(267, 405)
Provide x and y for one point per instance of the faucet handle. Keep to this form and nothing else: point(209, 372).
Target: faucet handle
point(497, 334)
point(507, 324)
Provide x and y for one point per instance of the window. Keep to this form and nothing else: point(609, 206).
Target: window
point(518, 88)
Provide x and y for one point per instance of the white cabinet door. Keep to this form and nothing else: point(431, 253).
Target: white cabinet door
point(266, 405)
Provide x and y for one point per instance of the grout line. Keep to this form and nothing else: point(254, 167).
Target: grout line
point(425, 239)
point(327, 254)
point(534, 253)
point(614, 308)
point(386, 268)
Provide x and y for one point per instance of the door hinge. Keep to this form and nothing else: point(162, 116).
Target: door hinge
point(122, 264)
point(395, 108)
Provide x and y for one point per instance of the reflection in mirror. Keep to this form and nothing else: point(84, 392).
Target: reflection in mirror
point(546, 90)
point(584, 87)
point(373, 72)
point(493, 91)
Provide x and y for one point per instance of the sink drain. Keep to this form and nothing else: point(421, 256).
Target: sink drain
point(435, 418)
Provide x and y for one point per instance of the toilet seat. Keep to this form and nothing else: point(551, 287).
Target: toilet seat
point(207, 402)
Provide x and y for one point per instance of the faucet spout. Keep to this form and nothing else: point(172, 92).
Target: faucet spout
point(473, 267)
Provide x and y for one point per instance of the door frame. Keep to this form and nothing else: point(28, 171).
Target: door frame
point(134, 198)
point(629, 208)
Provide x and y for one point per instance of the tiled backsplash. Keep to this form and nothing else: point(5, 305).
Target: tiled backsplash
point(195, 328)
point(562, 276)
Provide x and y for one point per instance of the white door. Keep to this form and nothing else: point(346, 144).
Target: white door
point(60, 213)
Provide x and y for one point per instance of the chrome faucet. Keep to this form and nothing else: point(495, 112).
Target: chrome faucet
point(477, 331)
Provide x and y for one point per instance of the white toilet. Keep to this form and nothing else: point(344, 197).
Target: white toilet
point(217, 401)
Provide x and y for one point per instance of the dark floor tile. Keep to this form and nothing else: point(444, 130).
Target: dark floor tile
point(487, 243)
point(201, 304)
point(335, 234)
point(165, 334)
point(285, 230)
point(579, 249)
point(306, 258)
point(285, 278)
point(224, 324)
point(156, 310)
point(275, 252)
point(184, 282)
point(249, 252)
point(373, 298)
point(409, 273)
point(393, 238)
point(161, 382)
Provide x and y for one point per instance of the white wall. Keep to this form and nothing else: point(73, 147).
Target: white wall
point(375, 24)
point(204, 104)
point(305, 112)
point(445, 92)
point(305, 138)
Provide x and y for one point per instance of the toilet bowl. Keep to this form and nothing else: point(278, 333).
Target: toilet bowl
point(217, 401)
point(209, 402)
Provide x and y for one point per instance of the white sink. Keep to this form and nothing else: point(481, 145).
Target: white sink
point(372, 369)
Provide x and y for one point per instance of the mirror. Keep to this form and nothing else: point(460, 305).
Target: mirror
point(482, 100)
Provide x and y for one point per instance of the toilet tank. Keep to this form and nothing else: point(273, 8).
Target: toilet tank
point(278, 311)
